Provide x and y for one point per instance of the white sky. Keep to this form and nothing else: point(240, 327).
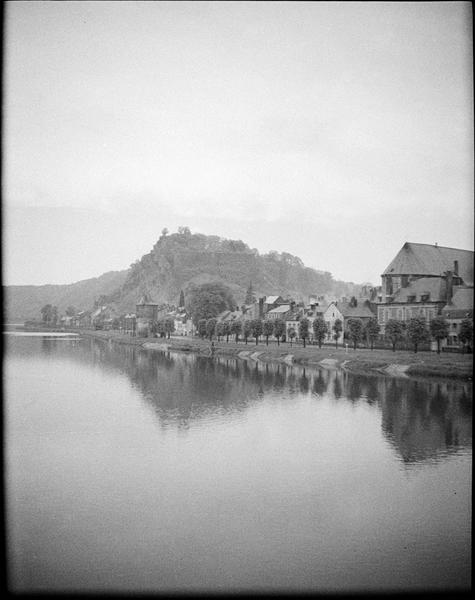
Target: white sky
point(333, 131)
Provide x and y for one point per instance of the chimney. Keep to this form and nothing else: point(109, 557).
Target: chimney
point(449, 286)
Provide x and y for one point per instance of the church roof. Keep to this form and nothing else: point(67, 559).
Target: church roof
point(435, 288)
point(428, 260)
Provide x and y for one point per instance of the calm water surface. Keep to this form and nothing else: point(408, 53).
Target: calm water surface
point(133, 470)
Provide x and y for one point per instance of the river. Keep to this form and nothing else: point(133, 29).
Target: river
point(129, 470)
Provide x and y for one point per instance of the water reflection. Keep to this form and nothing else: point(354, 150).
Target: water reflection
point(422, 420)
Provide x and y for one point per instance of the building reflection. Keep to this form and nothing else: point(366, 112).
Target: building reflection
point(422, 420)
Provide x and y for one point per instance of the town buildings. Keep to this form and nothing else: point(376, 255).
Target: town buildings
point(422, 280)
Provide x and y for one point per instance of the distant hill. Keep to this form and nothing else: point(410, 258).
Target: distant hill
point(176, 262)
point(22, 302)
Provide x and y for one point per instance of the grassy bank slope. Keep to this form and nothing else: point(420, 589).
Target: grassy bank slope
point(422, 364)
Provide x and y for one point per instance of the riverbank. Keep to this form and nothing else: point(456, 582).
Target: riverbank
point(364, 361)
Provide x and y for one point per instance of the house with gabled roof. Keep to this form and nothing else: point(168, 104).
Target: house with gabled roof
point(421, 280)
point(344, 311)
point(279, 312)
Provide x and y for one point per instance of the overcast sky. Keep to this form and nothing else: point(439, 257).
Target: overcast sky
point(333, 131)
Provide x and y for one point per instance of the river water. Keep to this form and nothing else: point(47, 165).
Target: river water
point(143, 471)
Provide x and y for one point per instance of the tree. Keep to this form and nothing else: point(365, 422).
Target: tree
point(201, 328)
point(211, 327)
point(164, 232)
point(49, 314)
point(184, 231)
point(304, 327)
point(206, 301)
point(394, 331)
point(46, 313)
point(181, 302)
point(466, 333)
point(355, 331)
point(219, 330)
point(291, 333)
point(439, 329)
point(279, 329)
point(71, 311)
point(247, 330)
point(250, 296)
point(159, 327)
point(256, 328)
point(236, 329)
point(372, 330)
point(320, 330)
point(227, 330)
point(169, 326)
point(267, 330)
point(337, 329)
point(417, 331)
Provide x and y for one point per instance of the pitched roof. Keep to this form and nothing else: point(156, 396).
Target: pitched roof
point(435, 287)
point(462, 300)
point(425, 259)
point(283, 308)
point(356, 312)
point(272, 299)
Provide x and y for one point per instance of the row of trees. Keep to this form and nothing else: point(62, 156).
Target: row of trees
point(255, 328)
point(415, 331)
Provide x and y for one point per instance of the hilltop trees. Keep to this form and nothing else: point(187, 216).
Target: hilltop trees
point(206, 301)
point(439, 330)
point(320, 330)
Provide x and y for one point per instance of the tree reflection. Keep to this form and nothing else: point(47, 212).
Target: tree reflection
point(421, 419)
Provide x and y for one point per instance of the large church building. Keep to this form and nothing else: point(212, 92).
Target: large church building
point(422, 280)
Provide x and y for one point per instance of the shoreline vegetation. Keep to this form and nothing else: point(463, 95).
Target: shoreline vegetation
point(401, 363)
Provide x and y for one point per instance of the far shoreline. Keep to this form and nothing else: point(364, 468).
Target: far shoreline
point(364, 361)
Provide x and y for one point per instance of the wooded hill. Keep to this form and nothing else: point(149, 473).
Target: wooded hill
point(177, 261)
